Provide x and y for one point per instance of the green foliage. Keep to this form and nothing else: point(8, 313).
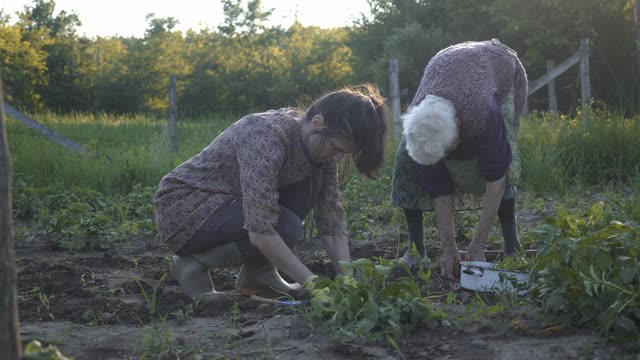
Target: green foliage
point(559, 151)
point(23, 59)
point(370, 303)
point(156, 338)
point(516, 262)
point(366, 202)
point(589, 271)
point(137, 147)
point(412, 31)
point(246, 64)
point(84, 218)
point(35, 351)
point(551, 30)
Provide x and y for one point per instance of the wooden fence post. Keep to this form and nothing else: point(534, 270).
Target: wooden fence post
point(636, 19)
point(585, 84)
point(394, 65)
point(551, 87)
point(173, 115)
point(9, 326)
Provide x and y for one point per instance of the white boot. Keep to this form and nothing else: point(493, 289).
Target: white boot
point(192, 271)
point(263, 277)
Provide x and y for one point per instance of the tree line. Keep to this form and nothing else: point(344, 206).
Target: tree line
point(243, 64)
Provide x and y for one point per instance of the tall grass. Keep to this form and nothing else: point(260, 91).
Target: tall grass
point(558, 151)
point(132, 149)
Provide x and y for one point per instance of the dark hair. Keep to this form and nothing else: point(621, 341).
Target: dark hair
point(358, 112)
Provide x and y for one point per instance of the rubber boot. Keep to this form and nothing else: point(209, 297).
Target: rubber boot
point(509, 226)
point(265, 276)
point(415, 228)
point(192, 271)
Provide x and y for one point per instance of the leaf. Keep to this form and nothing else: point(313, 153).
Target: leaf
point(361, 262)
point(382, 270)
point(627, 324)
point(366, 324)
point(627, 275)
point(604, 260)
point(555, 302)
point(451, 297)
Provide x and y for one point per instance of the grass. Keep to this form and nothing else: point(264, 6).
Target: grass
point(137, 146)
point(560, 151)
point(559, 155)
point(557, 151)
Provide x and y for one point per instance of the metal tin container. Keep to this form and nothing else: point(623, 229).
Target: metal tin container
point(484, 277)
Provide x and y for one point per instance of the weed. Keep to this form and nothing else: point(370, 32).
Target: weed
point(35, 351)
point(517, 263)
point(42, 297)
point(91, 281)
point(182, 315)
point(370, 303)
point(157, 340)
point(588, 271)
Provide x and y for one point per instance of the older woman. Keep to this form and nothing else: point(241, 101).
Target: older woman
point(459, 148)
point(243, 198)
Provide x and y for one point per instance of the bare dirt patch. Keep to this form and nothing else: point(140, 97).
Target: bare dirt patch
point(92, 306)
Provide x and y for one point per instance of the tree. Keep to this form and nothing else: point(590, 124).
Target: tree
point(238, 20)
point(159, 26)
point(411, 30)
point(23, 64)
point(62, 89)
point(9, 328)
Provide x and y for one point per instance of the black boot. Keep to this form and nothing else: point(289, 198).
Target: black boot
point(415, 228)
point(508, 223)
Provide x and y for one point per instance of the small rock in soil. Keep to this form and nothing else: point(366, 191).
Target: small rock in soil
point(571, 354)
point(480, 343)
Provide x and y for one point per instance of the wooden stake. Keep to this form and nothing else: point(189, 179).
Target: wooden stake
point(9, 327)
point(553, 101)
point(394, 65)
point(636, 19)
point(173, 114)
point(585, 83)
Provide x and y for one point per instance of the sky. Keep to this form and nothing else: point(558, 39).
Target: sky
point(127, 17)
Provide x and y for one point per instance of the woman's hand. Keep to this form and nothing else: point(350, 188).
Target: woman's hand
point(450, 262)
point(277, 252)
point(475, 252)
point(337, 247)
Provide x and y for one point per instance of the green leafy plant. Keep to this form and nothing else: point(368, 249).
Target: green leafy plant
point(516, 263)
point(35, 351)
point(77, 218)
point(371, 303)
point(589, 270)
point(42, 297)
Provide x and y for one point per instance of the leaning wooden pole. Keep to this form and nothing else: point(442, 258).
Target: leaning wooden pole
point(9, 328)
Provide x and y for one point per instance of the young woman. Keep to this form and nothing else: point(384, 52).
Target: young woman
point(243, 198)
point(459, 147)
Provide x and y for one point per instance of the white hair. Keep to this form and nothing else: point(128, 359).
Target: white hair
point(430, 129)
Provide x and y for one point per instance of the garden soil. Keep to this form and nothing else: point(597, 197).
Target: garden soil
point(96, 305)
